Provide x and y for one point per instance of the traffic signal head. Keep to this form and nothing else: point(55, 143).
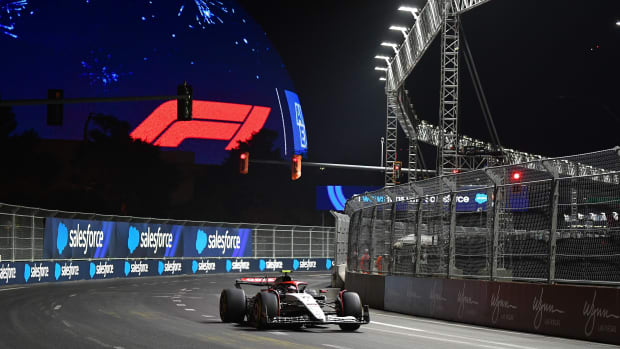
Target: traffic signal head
point(184, 105)
point(244, 162)
point(54, 111)
point(396, 171)
point(295, 167)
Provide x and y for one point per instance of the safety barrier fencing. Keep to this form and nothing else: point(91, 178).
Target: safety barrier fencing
point(551, 220)
point(39, 245)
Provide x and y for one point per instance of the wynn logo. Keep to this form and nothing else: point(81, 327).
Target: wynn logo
point(497, 304)
point(592, 312)
point(540, 307)
point(436, 298)
point(462, 299)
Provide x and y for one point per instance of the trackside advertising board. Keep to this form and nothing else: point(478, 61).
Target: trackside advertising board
point(12, 273)
point(80, 239)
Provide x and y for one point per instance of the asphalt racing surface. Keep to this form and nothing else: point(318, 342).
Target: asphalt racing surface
point(182, 312)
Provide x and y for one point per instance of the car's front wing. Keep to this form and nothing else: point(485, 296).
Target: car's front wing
point(330, 319)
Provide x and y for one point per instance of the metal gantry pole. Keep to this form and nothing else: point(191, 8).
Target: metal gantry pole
point(447, 156)
point(32, 241)
point(554, 198)
point(391, 142)
point(13, 239)
point(452, 229)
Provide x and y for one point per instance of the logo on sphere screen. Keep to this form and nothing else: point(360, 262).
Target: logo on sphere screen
point(211, 120)
point(300, 137)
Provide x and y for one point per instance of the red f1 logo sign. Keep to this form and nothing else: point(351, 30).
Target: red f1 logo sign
point(211, 120)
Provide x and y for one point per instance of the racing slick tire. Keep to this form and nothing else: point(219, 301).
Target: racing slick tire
point(232, 305)
point(266, 304)
point(351, 306)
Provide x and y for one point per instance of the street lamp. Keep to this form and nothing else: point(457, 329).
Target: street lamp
point(400, 29)
point(390, 44)
point(413, 10)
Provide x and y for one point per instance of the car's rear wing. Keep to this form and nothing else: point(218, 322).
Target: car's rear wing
point(255, 281)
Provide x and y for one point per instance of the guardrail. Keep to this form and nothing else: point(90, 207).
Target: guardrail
point(550, 220)
point(39, 245)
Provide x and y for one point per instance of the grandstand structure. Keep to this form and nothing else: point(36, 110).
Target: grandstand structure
point(455, 152)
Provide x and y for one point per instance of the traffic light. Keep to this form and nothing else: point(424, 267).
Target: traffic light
point(184, 105)
point(515, 178)
point(54, 111)
point(244, 162)
point(296, 167)
point(396, 171)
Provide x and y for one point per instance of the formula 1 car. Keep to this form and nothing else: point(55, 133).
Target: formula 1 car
point(290, 303)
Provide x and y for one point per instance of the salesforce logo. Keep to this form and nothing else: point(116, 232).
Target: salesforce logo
point(35, 272)
point(148, 239)
point(203, 266)
point(170, 267)
point(237, 265)
point(328, 264)
point(481, 198)
point(223, 242)
point(61, 237)
point(68, 271)
point(201, 241)
point(7, 273)
point(304, 264)
point(77, 238)
point(136, 268)
point(102, 269)
point(270, 264)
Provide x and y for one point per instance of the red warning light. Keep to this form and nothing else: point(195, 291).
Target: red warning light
point(455, 171)
point(243, 156)
point(516, 176)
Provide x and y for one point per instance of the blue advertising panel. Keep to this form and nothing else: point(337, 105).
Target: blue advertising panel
point(137, 240)
point(217, 242)
point(72, 238)
point(334, 197)
point(300, 137)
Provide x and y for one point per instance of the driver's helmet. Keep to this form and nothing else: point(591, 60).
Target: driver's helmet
point(291, 289)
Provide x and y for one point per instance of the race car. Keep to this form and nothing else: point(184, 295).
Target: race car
point(290, 303)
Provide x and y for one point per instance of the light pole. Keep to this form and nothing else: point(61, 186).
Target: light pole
point(381, 155)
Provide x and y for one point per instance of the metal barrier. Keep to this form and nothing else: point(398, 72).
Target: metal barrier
point(553, 220)
point(22, 230)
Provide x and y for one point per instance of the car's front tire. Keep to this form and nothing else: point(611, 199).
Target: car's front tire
point(265, 305)
point(351, 305)
point(232, 305)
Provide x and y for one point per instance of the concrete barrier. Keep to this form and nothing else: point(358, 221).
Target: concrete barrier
point(582, 312)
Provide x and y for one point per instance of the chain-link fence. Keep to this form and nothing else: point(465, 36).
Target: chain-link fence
point(22, 230)
point(552, 220)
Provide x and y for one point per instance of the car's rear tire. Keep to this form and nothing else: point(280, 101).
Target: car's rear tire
point(266, 304)
point(351, 305)
point(232, 305)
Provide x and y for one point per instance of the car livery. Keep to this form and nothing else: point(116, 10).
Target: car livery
point(287, 302)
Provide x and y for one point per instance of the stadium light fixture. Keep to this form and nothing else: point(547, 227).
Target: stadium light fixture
point(390, 44)
point(412, 10)
point(381, 68)
point(386, 58)
point(400, 29)
point(382, 78)
point(618, 23)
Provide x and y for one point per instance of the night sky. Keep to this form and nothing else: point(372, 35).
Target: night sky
point(550, 70)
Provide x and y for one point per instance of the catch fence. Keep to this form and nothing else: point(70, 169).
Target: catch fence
point(551, 220)
point(22, 232)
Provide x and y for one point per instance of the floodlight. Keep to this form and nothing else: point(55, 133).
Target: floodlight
point(386, 58)
point(382, 78)
point(413, 10)
point(390, 44)
point(400, 29)
point(381, 68)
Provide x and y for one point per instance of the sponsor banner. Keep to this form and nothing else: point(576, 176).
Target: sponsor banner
point(217, 242)
point(583, 312)
point(73, 238)
point(300, 136)
point(101, 269)
point(139, 240)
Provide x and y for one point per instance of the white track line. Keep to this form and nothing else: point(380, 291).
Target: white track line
point(190, 309)
point(10, 289)
point(57, 307)
point(207, 315)
point(181, 305)
point(468, 339)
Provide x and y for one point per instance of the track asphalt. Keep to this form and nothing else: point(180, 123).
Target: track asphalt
point(182, 312)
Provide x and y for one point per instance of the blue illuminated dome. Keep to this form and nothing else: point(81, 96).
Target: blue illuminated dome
point(103, 48)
